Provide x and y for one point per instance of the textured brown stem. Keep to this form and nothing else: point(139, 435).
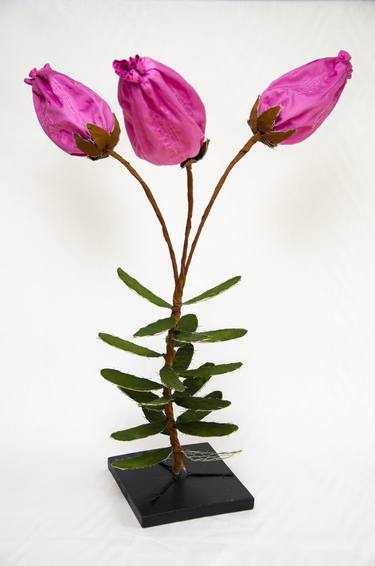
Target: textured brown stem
point(243, 151)
point(154, 205)
point(190, 198)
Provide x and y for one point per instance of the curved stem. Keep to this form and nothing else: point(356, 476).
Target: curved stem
point(243, 151)
point(155, 206)
point(190, 198)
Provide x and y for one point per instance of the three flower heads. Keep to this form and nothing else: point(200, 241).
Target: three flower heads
point(165, 119)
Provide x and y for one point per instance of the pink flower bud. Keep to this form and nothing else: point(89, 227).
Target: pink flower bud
point(307, 95)
point(64, 107)
point(164, 117)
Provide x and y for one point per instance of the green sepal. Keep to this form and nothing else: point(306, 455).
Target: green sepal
point(209, 370)
point(157, 404)
point(128, 381)
point(188, 323)
point(211, 335)
point(201, 403)
point(199, 428)
point(170, 378)
point(214, 291)
point(128, 346)
point(191, 415)
point(157, 327)
point(141, 290)
point(149, 458)
point(141, 431)
point(183, 357)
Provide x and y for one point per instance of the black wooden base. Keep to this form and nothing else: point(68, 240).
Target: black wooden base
point(156, 497)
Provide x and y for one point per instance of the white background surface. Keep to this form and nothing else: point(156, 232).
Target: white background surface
point(297, 223)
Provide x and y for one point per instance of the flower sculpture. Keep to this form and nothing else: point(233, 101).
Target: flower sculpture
point(165, 120)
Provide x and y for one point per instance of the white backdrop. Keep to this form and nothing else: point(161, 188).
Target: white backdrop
point(297, 223)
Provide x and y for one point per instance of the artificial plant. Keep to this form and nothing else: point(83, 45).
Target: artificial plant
point(165, 120)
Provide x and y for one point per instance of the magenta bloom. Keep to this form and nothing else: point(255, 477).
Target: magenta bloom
point(307, 95)
point(64, 107)
point(164, 117)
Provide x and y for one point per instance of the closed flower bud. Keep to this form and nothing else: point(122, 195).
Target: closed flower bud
point(302, 99)
point(164, 117)
point(65, 108)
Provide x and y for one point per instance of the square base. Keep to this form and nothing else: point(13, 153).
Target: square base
point(188, 498)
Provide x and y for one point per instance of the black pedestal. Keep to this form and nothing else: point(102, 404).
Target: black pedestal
point(156, 498)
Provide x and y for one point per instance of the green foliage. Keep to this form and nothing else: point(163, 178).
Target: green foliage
point(157, 327)
point(214, 291)
point(193, 385)
point(157, 404)
point(170, 378)
point(188, 323)
point(139, 396)
point(206, 429)
point(155, 416)
point(202, 403)
point(145, 460)
point(141, 431)
point(128, 346)
point(141, 290)
point(128, 381)
point(191, 415)
point(211, 335)
point(183, 358)
point(209, 370)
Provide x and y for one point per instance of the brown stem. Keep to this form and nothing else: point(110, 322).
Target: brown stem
point(243, 151)
point(154, 205)
point(190, 198)
point(178, 454)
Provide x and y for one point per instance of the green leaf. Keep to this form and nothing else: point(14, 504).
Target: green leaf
point(157, 327)
point(214, 291)
point(141, 290)
point(128, 346)
point(202, 403)
point(188, 323)
point(190, 415)
point(183, 357)
point(193, 385)
point(170, 378)
point(141, 431)
point(157, 404)
point(208, 370)
point(129, 381)
point(139, 396)
point(155, 416)
point(206, 429)
point(211, 335)
point(145, 460)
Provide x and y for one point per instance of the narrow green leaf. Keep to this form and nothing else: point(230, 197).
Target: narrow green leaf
point(188, 323)
point(145, 460)
point(129, 381)
point(191, 415)
point(141, 290)
point(170, 378)
point(139, 396)
point(157, 327)
point(128, 346)
point(141, 431)
point(157, 404)
point(193, 385)
point(204, 370)
point(183, 357)
point(211, 335)
point(214, 291)
point(155, 416)
point(206, 429)
point(202, 403)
